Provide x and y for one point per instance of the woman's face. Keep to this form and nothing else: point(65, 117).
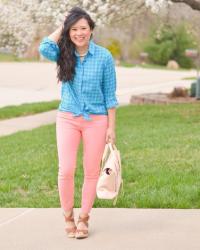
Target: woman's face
point(80, 33)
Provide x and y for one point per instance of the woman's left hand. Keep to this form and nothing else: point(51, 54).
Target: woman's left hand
point(110, 135)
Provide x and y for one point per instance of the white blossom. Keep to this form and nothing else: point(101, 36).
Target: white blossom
point(24, 21)
point(157, 5)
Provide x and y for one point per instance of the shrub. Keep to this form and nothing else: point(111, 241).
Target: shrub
point(115, 48)
point(169, 43)
point(179, 92)
point(136, 47)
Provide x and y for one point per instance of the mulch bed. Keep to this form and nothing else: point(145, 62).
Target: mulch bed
point(160, 98)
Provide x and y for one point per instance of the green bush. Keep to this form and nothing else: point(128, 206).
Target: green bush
point(115, 48)
point(169, 43)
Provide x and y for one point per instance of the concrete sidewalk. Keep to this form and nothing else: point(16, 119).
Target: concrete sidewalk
point(13, 125)
point(110, 229)
point(34, 82)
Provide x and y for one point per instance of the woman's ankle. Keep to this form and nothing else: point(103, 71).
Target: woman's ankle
point(83, 214)
point(68, 212)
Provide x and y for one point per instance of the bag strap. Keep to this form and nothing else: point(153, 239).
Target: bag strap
point(114, 150)
point(110, 148)
point(105, 153)
point(121, 190)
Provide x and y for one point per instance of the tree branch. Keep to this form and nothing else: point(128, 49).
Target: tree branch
point(132, 12)
point(194, 4)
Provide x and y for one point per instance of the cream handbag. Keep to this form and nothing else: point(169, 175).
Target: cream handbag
point(110, 179)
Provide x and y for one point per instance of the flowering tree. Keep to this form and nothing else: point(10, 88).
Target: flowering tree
point(194, 4)
point(156, 5)
point(17, 28)
point(24, 21)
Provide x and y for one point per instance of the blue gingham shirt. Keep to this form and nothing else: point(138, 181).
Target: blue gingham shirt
point(92, 91)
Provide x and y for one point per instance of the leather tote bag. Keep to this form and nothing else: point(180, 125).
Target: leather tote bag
point(110, 179)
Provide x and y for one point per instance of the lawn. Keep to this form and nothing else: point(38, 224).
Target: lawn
point(27, 109)
point(159, 147)
point(4, 57)
point(152, 66)
point(12, 58)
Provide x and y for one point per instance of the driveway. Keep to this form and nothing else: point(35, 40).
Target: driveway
point(33, 82)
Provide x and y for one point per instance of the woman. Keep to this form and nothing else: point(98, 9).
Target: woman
point(86, 110)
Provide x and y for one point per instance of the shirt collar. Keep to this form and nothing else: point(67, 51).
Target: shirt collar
point(90, 49)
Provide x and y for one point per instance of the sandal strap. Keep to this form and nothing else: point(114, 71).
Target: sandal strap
point(84, 220)
point(85, 231)
point(69, 218)
point(70, 230)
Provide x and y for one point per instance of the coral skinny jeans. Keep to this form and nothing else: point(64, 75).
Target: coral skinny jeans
point(69, 131)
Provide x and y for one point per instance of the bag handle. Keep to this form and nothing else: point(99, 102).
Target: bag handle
point(106, 150)
point(105, 153)
point(112, 148)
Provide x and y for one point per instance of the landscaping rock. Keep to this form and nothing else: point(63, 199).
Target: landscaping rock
point(172, 65)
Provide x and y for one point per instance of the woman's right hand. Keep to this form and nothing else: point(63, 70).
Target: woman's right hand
point(65, 15)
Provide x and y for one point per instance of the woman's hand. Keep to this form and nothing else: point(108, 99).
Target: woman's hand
point(63, 19)
point(110, 135)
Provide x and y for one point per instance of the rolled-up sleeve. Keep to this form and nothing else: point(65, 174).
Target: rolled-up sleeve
point(109, 83)
point(49, 49)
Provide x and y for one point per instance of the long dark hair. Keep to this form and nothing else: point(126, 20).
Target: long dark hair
point(67, 60)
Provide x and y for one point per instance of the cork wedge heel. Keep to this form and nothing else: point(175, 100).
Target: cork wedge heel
point(82, 233)
point(71, 231)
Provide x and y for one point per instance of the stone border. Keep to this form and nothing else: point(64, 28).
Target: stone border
point(159, 98)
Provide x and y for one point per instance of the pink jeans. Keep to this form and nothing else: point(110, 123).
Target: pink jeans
point(69, 131)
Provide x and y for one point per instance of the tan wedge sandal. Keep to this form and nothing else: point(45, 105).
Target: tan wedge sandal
point(71, 231)
point(82, 233)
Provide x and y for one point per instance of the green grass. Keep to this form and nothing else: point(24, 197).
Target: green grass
point(27, 109)
point(148, 66)
point(127, 64)
point(159, 147)
point(153, 66)
point(4, 57)
point(12, 58)
point(189, 78)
